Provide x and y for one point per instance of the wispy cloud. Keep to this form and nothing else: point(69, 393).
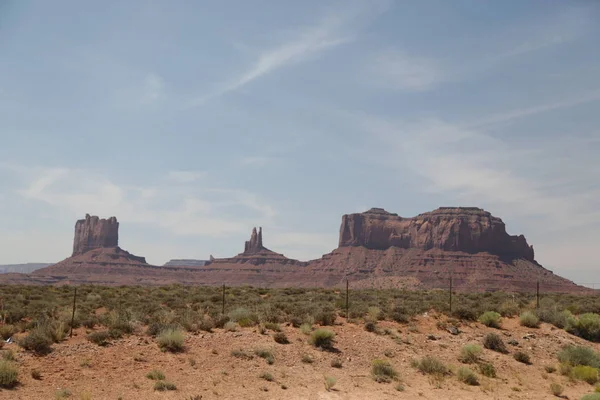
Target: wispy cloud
point(182, 207)
point(147, 91)
point(396, 69)
point(332, 30)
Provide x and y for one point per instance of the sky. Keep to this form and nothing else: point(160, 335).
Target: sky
point(192, 122)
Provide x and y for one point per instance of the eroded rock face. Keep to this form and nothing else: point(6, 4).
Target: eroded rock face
point(255, 244)
point(466, 229)
point(93, 233)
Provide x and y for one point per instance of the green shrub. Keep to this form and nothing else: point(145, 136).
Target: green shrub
point(9, 375)
point(322, 338)
point(230, 326)
point(155, 375)
point(556, 389)
point(8, 355)
point(591, 396)
point(585, 373)
point(467, 376)
point(329, 382)
point(99, 338)
point(579, 355)
point(488, 370)
point(266, 354)
point(431, 366)
point(273, 326)
point(325, 318)
point(171, 340)
point(509, 309)
point(522, 357)
point(6, 331)
point(243, 317)
point(491, 319)
point(382, 371)
point(586, 326)
point(281, 338)
point(465, 314)
point(469, 354)
point(494, 342)
point(529, 319)
point(267, 376)
point(371, 326)
point(306, 328)
point(37, 341)
point(161, 386)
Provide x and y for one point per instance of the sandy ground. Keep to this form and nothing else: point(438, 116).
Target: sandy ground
point(119, 370)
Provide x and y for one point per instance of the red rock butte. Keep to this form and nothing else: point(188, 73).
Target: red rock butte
point(376, 249)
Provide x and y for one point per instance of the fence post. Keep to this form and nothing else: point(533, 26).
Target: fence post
point(537, 295)
point(223, 309)
point(73, 314)
point(450, 294)
point(347, 304)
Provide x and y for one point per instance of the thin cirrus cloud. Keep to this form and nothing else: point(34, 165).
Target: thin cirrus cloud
point(332, 30)
point(181, 207)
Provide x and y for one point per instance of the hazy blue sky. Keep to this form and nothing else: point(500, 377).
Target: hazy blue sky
point(193, 121)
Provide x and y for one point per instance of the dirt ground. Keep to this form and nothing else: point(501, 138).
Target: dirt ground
point(208, 370)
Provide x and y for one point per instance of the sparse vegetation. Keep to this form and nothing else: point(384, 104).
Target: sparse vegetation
point(266, 354)
point(336, 363)
point(307, 359)
point(322, 338)
point(100, 338)
point(469, 354)
point(529, 320)
point(494, 342)
point(281, 338)
point(37, 341)
point(431, 366)
point(556, 389)
point(585, 373)
point(171, 340)
point(162, 386)
point(382, 371)
point(579, 355)
point(9, 374)
point(488, 370)
point(266, 376)
point(329, 382)
point(522, 357)
point(466, 375)
point(155, 375)
point(491, 319)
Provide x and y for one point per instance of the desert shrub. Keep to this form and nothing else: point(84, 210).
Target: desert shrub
point(490, 319)
point(155, 328)
point(306, 328)
point(550, 369)
point(230, 326)
point(466, 375)
point(322, 338)
point(307, 359)
point(522, 357)
point(266, 376)
point(8, 355)
point(37, 341)
point(325, 318)
point(329, 382)
point(591, 396)
point(273, 326)
point(494, 342)
point(162, 386)
point(62, 394)
point(529, 320)
point(243, 317)
point(579, 355)
point(400, 315)
point(585, 373)
point(374, 313)
point(155, 375)
point(281, 338)
point(266, 354)
point(36, 374)
point(206, 324)
point(119, 320)
point(431, 366)
point(469, 354)
point(557, 318)
point(100, 338)
point(465, 314)
point(9, 375)
point(241, 354)
point(488, 370)
point(382, 371)
point(371, 326)
point(6, 331)
point(586, 326)
point(556, 389)
point(221, 321)
point(508, 309)
point(171, 340)
point(336, 363)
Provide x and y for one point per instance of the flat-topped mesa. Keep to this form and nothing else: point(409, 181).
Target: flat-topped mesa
point(467, 229)
point(93, 233)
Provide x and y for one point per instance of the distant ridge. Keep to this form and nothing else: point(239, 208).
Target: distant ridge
point(186, 263)
point(22, 268)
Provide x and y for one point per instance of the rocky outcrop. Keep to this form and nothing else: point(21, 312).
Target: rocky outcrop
point(256, 254)
point(93, 233)
point(464, 229)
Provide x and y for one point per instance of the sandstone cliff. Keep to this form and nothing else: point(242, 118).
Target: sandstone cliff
point(465, 229)
point(93, 233)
